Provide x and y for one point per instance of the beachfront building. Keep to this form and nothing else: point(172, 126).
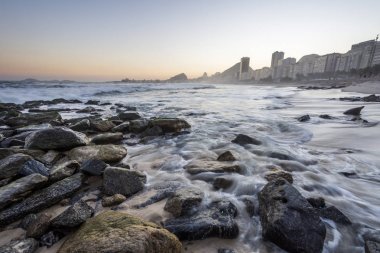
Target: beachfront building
point(285, 68)
point(276, 57)
point(304, 66)
point(244, 73)
point(376, 54)
point(262, 73)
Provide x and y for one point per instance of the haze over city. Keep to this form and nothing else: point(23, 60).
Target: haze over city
point(111, 40)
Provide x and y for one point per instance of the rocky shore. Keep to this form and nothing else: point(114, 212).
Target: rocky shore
point(63, 184)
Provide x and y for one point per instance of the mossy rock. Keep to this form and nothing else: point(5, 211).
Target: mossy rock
point(118, 232)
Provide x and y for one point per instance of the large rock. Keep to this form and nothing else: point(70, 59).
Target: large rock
point(5, 152)
point(26, 119)
point(81, 126)
point(170, 125)
point(354, 111)
point(120, 233)
point(197, 167)
point(10, 165)
point(102, 125)
point(127, 115)
point(60, 138)
point(29, 245)
point(107, 153)
point(113, 200)
point(73, 216)
point(372, 247)
point(63, 170)
point(93, 167)
point(226, 156)
point(36, 224)
point(184, 201)
point(243, 139)
point(107, 138)
point(216, 220)
point(17, 189)
point(42, 199)
point(277, 174)
point(122, 181)
point(33, 166)
point(138, 125)
point(288, 220)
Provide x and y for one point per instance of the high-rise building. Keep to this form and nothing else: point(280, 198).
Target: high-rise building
point(376, 54)
point(276, 57)
point(244, 69)
point(331, 62)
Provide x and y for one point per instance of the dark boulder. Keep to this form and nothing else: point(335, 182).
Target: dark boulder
point(226, 157)
point(42, 199)
point(17, 189)
point(10, 165)
point(107, 153)
point(243, 140)
point(317, 202)
point(372, 247)
point(304, 118)
point(87, 109)
point(81, 126)
point(122, 181)
point(222, 183)
point(138, 125)
point(36, 224)
point(184, 201)
point(93, 167)
point(123, 128)
point(33, 166)
point(334, 214)
point(354, 111)
point(128, 115)
point(26, 119)
point(277, 174)
point(113, 200)
point(325, 116)
point(371, 98)
point(92, 102)
point(216, 220)
point(102, 125)
point(170, 125)
point(59, 138)
point(288, 220)
point(153, 131)
point(73, 216)
point(63, 169)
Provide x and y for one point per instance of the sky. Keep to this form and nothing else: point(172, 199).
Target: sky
point(97, 40)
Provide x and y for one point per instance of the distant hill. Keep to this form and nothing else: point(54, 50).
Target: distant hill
point(228, 75)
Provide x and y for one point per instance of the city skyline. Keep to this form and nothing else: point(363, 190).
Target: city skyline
point(145, 40)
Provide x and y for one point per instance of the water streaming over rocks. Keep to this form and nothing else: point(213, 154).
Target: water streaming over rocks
point(336, 156)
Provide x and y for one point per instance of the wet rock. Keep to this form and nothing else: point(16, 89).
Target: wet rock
point(317, 202)
point(153, 131)
point(277, 174)
point(372, 247)
point(119, 232)
point(87, 109)
point(19, 188)
point(280, 156)
point(10, 165)
point(123, 128)
point(127, 115)
point(107, 138)
point(73, 216)
point(288, 220)
point(102, 125)
point(63, 170)
point(93, 167)
point(184, 201)
point(107, 153)
point(59, 138)
point(28, 245)
point(170, 125)
point(36, 224)
point(354, 111)
point(226, 251)
point(325, 116)
point(92, 102)
point(243, 139)
point(15, 140)
point(216, 220)
point(226, 157)
point(249, 205)
point(51, 157)
point(371, 98)
point(5, 152)
point(138, 125)
point(26, 119)
point(333, 213)
point(122, 181)
point(33, 166)
point(214, 167)
point(304, 118)
point(42, 199)
point(222, 183)
point(81, 126)
point(113, 200)
point(51, 238)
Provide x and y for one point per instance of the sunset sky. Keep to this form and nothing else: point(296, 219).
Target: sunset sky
point(110, 40)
